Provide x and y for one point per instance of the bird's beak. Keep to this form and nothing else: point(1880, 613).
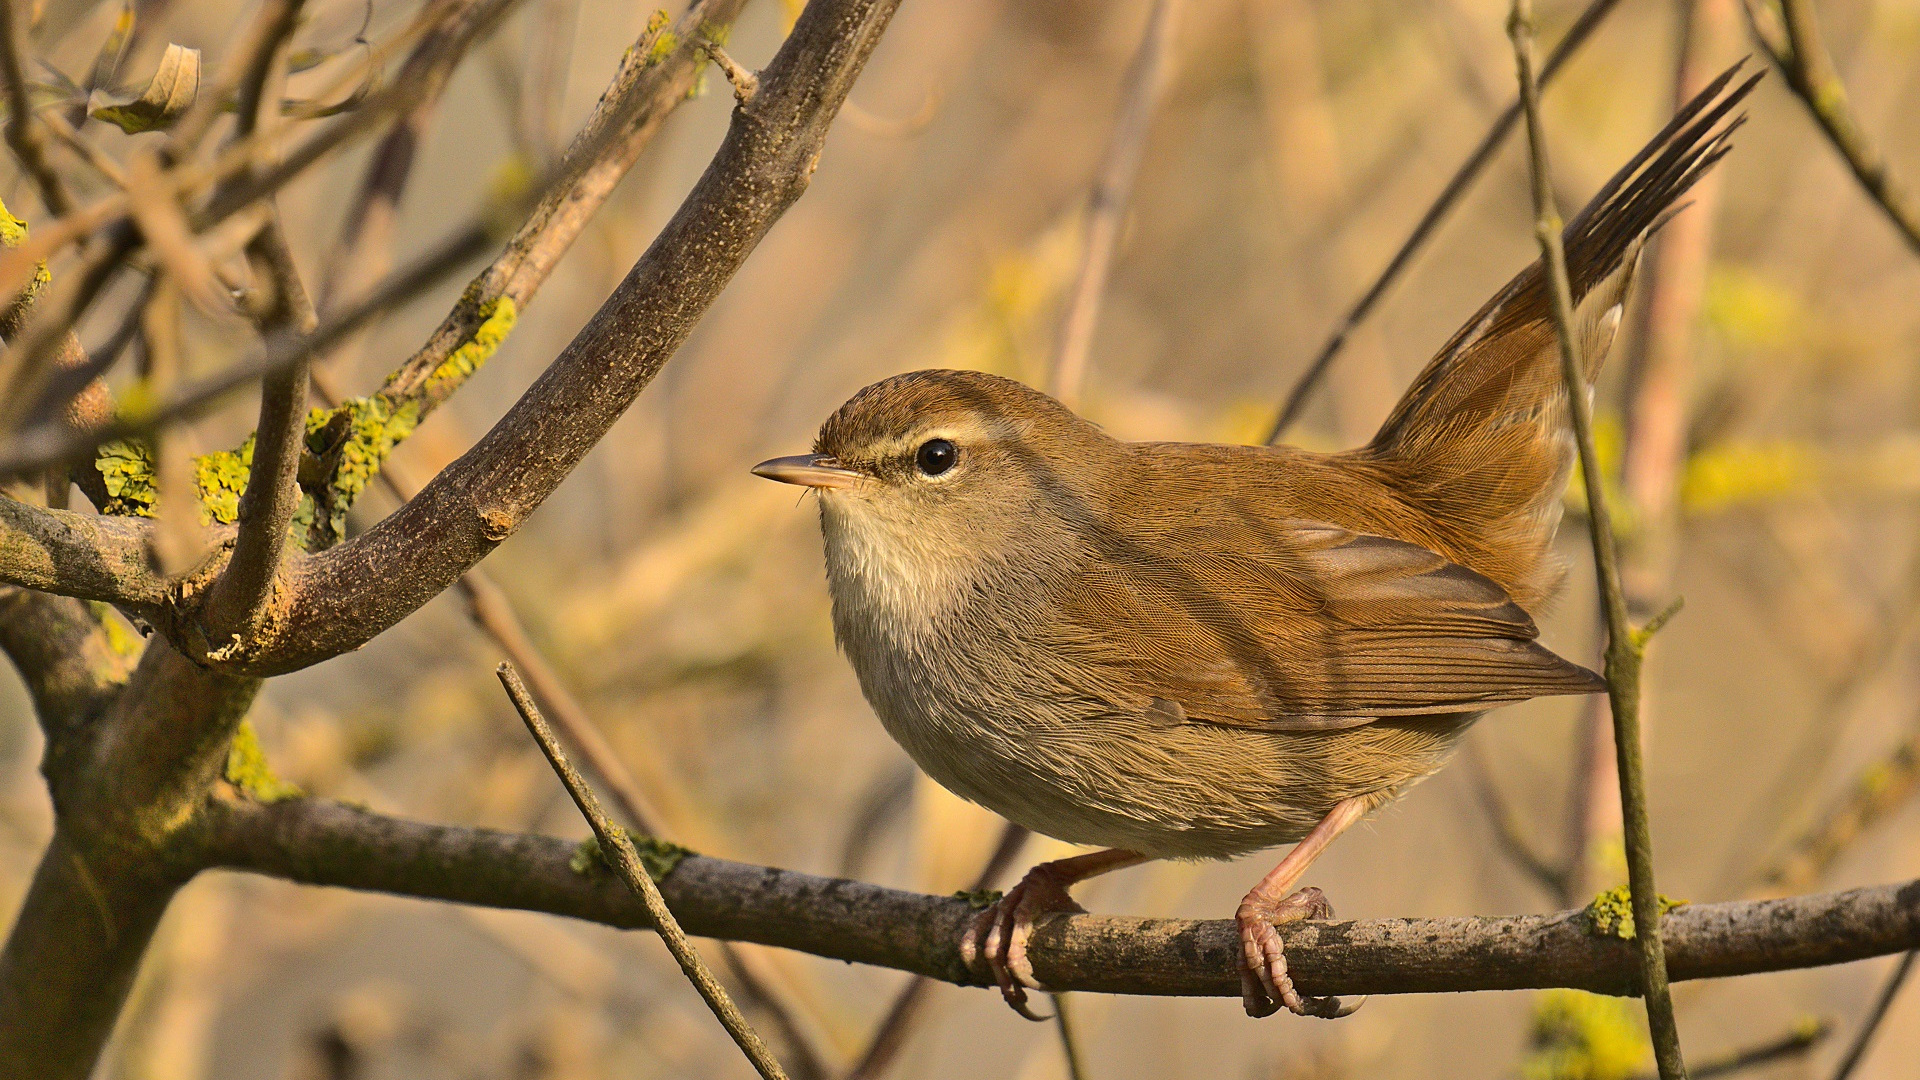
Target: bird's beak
point(807, 470)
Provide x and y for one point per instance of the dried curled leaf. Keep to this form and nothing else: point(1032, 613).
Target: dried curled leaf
point(168, 94)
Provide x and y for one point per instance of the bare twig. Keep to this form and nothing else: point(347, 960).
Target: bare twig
point(745, 83)
point(1876, 791)
point(1625, 648)
point(1107, 204)
point(1469, 170)
point(1796, 1043)
point(1857, 1050)
point(890, 1037)
point(1802, 58)
point(618, 850)
point(1555, 881)
point(1069, 1043)
point(22, 133)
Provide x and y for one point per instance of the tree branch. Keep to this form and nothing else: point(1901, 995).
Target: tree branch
point(354, 591)
point(85, 555)
point(241, 595)
point(1802, 58)
point(22, 134)
point(644, 90)
point(1107, 203)
point(317, 842)
point(1469, 171)
point(1625, 648)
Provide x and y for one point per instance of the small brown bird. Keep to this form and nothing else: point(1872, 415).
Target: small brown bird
point(1187, 651)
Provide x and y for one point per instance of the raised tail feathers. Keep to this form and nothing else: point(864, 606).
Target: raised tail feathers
point(1480, 439)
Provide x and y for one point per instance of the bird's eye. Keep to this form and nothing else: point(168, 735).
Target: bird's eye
point(936, 456)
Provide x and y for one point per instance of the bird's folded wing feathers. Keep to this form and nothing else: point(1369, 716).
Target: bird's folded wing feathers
point(1302, 626)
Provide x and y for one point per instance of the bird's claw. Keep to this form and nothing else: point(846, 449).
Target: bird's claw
point(999, 935)
point(1265, 985)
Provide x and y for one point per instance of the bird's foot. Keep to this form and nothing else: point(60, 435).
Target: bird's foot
point(1001, 932)
point(1264, 983)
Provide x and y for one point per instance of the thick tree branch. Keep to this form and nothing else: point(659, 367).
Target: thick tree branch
point(126, 786)
point(63, 655)
point(83, 555)
point(322, 843)
point(240, 598)
point(352, 592)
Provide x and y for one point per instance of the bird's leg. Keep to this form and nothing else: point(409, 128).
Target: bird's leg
point(1001, 932)
point(1264, 982)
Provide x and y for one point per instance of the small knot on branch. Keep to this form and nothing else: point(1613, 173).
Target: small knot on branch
point(745, 83)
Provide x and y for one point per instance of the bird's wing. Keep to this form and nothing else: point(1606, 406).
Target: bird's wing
point(1302, 626)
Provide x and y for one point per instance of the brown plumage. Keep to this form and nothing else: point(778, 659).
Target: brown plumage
point(1193, 651)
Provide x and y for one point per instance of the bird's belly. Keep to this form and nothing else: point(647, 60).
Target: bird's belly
point(1193, 790)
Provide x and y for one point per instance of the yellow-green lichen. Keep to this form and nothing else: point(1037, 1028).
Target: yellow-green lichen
point(120, 639)
point(657, 856)
point(1610, 914)
point(355, 439)
point(221, 478)
point(13, 230)
point(1581, 1036)
point(247, 769)
point(979, 899)
point(1730, 475)
point(126, 468)
point(13, 233)
point(497, 319)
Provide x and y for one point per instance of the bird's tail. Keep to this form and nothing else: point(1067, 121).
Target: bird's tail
point(1482, 442)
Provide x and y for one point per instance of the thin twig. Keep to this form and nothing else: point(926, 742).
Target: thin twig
point(1796, 1043)
point(1469, 170)
point(1107, 204)
point(890, 1037)
point(619, 852)
point(43, 446)
point(490, 610)
point(1802, 58)
point(22, 133)
point(1554, 880)
point(1857, 1051)
point(1625, 648)
point(1069, 1045)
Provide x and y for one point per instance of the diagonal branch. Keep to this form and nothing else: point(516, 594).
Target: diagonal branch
point(354, 591)
point(323, 843)
point(1802, 58)
point(644, 90)
point(1146, 78)
point(1463, 178)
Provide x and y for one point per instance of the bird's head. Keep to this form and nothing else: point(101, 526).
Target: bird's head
point(928, 478)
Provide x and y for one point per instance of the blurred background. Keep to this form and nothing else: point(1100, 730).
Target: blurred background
point(1294, 146)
